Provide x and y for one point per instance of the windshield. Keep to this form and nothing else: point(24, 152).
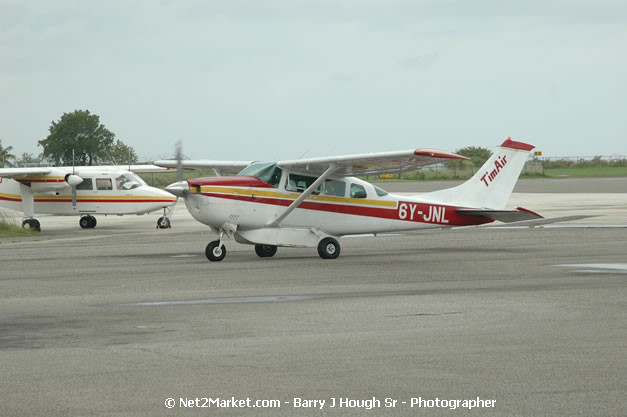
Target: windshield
point(265, 171)
point(128, 181)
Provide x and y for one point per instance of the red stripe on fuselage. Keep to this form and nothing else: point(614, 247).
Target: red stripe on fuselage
point(51, 200)
point(17, 200)
point(29, 181)
point(449, 213)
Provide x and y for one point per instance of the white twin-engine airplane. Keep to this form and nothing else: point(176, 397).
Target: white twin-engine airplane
point(84, 191)
point(312, 202)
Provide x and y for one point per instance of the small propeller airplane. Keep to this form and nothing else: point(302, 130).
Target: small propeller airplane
point(312, 202)
point(83, 191)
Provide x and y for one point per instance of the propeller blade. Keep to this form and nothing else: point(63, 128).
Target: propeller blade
point(74, 197)
point(179, 164)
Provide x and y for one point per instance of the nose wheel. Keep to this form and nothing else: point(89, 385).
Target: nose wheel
point(163, 223)
point(87, 222)
point(215, 251)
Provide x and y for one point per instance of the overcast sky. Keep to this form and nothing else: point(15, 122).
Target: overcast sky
point(277, 79)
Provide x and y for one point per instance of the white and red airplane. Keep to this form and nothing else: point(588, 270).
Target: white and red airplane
point(83, 191)
point(312, 202)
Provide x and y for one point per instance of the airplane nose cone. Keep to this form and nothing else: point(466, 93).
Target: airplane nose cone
point(179, 189)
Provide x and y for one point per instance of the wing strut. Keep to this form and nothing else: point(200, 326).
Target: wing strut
point(276, 222)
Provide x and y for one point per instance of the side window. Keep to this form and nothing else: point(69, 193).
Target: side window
point(104, 184)
point(357, 191)
point(380, 192)
point(300, 183)
point(335, 187)
point(87, 184)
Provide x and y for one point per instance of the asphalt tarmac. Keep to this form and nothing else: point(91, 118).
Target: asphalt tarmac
point(116, 320)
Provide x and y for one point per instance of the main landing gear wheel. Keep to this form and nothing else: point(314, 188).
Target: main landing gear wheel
point(265, 251)
point(87, 222)
point(215, 252)
point(31, 224)
point(328, 248)
point(163, 223)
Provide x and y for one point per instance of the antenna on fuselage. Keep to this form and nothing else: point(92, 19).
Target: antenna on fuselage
point(304, 153)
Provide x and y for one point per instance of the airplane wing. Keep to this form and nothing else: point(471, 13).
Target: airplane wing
point(138, 168)
point(371, 163)
point(360, 164)
point(224, 167)
point(23, 172)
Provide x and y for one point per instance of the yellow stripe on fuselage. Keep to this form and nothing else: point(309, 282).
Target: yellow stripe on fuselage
point(11, 195)
point(39, 177)
point(294, 196)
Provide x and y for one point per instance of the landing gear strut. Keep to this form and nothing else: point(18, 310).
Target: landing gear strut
point(31, 224)
point(87, 222)
point(216, 251)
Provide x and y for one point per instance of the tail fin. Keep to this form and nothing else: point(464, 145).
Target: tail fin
point(492, 185)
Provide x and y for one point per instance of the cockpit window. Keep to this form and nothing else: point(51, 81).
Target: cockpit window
point(299, 183)
point(380, 191)
point(265, 171)
point(358, 191)
point(128, 181)
point(335, 187)
point(104, 184)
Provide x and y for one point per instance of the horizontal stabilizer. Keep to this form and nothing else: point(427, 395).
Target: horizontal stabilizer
point(505, 216)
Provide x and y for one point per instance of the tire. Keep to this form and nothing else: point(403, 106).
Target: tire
point(163, 223)
point(84, 222)
point(265, 251)
point(92, 222)
point(213, 253)
point(31, 224)
point(328, 248)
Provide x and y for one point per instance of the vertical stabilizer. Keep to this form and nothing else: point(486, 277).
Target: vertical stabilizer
point(493, 184)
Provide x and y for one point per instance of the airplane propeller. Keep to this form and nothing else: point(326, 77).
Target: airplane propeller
point(181, 187)
point(179, 163)
point(73, 180)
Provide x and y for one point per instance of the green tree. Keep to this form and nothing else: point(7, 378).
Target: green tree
point(81, 132)
point(121, 154)
point(28, 159)
point(477, 155)
point(6, 156)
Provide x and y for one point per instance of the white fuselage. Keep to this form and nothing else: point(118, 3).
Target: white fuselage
point(359, 209)
point(99, 193)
